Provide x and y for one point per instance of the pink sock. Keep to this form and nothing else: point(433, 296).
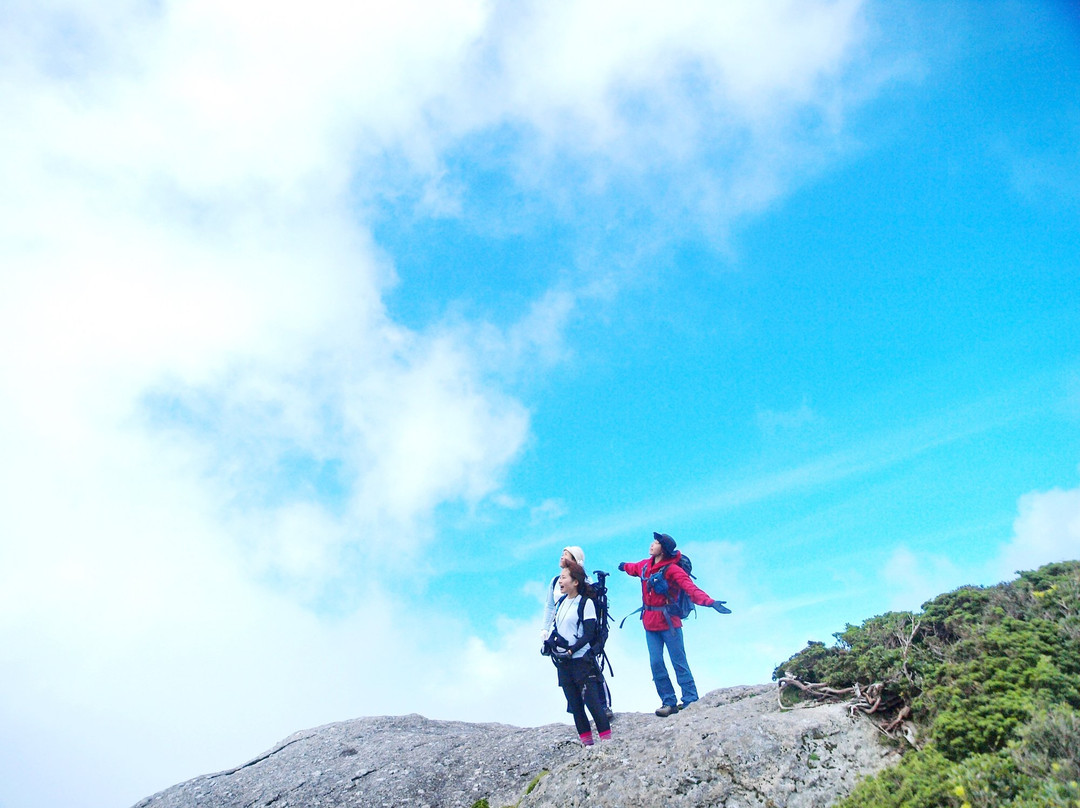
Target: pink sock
point(605, 735)
point(586, 738)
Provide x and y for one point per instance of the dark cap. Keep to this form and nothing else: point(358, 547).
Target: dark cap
point(666, 542)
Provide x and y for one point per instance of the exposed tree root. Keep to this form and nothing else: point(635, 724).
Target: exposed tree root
point(868, 701)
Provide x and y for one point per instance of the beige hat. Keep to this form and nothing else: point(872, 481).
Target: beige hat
point(577, 553)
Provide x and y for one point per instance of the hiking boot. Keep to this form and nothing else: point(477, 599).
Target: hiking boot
point(666, 710)
point(686, 704)
point(609, 714)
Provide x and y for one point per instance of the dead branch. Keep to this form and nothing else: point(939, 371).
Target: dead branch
point(867, 702)
point(906, 638)
point(905, 712)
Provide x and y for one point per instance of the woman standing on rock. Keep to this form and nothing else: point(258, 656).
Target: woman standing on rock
point(662, 578)
point(572, 631)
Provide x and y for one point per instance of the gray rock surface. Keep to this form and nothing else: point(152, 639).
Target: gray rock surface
point(733, 748)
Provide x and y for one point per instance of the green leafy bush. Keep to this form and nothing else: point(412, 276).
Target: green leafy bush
point(991, 676)
point(918, 781)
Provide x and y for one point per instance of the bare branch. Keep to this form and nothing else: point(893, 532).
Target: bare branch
point(868, 701)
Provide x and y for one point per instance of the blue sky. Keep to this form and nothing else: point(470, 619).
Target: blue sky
point(321, 334)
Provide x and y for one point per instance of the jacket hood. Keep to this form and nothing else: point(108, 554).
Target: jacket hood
point(664, 562)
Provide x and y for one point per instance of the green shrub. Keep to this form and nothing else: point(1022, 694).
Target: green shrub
point(1050, 744)
point(918, 781)
point(992, 675)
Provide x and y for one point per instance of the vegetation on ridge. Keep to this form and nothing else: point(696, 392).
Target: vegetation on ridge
point(986, 681)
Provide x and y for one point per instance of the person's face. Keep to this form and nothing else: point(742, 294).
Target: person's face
point(567, 585)
point(655, 550)
point(566, 557)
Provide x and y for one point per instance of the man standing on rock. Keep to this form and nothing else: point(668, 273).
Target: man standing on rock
point(662, 580)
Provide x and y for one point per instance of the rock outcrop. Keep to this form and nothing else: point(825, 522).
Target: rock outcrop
point(735, 747)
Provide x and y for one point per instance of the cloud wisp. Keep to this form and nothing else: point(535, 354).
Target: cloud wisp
point(861, 459)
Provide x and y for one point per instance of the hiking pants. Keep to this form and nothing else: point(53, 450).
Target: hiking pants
point(673, 639)
point(605, 693)
point(581, 685)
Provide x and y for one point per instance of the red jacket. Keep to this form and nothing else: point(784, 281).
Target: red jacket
point(677, 579)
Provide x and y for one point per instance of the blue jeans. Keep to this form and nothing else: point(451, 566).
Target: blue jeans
point(673, 639)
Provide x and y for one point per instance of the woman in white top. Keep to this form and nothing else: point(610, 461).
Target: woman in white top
point(573, 629)
point(572, 553)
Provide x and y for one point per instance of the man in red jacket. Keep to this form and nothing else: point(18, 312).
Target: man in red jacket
point(664, 629)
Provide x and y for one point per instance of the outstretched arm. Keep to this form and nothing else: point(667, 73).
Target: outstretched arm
point(686, 584)
point(679, 576)
point(633, 568)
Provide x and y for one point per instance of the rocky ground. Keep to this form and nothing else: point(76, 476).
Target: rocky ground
point(734, 748)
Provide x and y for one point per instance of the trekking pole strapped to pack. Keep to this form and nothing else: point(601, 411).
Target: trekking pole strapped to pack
point(602, 629)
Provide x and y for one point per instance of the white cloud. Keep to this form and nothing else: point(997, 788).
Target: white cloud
point(912, 579)
point(718, 109)
point(583, 64)
point(1047, 529)
point(183, 307)
point(547, 511)
point(772, 421)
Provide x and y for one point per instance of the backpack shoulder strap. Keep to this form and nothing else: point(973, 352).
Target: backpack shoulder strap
point(555, 617)
point(640, 610)
point(581, 609)
point(595, 604)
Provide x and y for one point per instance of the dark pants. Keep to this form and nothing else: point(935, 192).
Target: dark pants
point(580, 681)
point(605, 694)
